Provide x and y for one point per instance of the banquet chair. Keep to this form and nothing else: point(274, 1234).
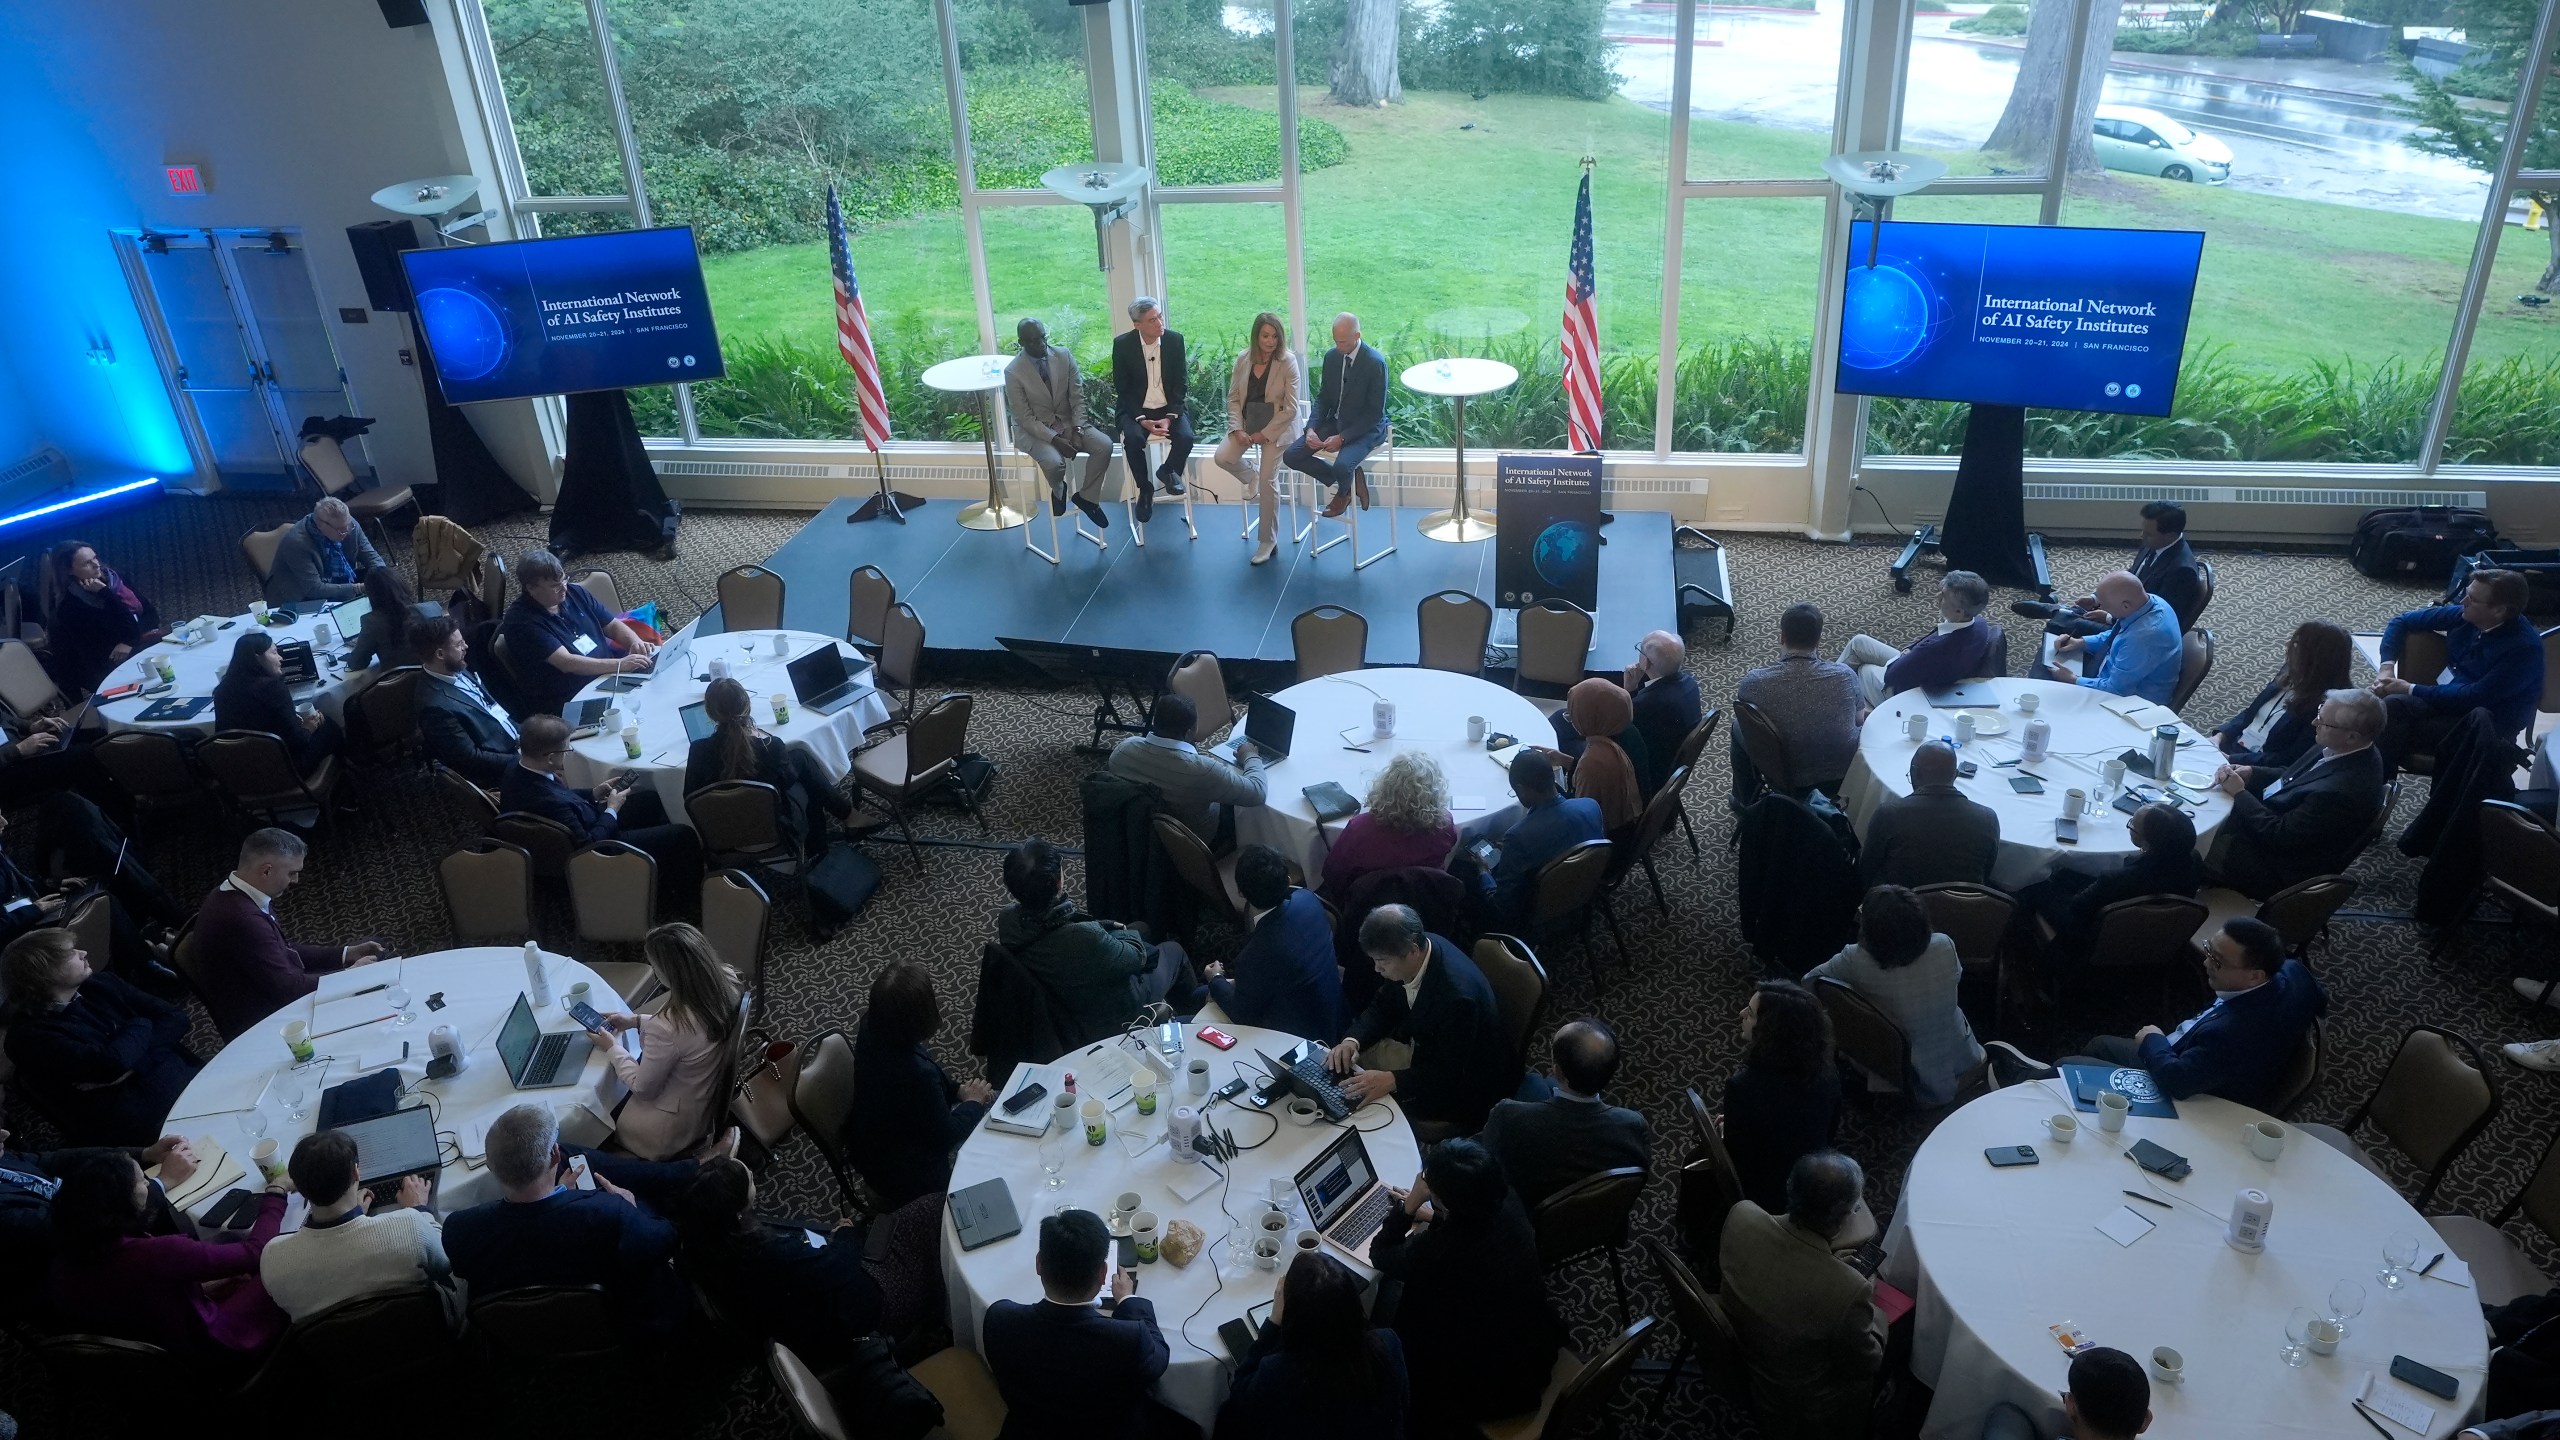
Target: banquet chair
point(1210, 878)
point(1652, 823)
point(821, 1101)
point(2520, 870)
point(1590, 1216)
point(1567, 889)
point(901, 657)
point(1685, 758)
point(488, 892)
point(2301, 1072)
point(972, 1407)
point(2195, 661)
point(253, 771)
point(383, 716)
point(1710, 1187)
point(493, 583)
point(1519, 989)
point(2423, 656)
point(1554, 653)
point(1454, 625)
point(2204, 593)
point(613, 893)
point(152, 770)
point(25, 687)
point(100, 1366)
point(258, 550)
point(2148, 935)
point(742, 825)
point(1867, 1037)
point(1578, 1394)
point(1197, 678)
point(552, 1329)
point(866, 611)
point(546, 840)
point(389, 1342)
point(2550, 702)
point(601, 584)
point(902, 769)
point(88, 923)
point(735, 913)
point(2436, 1098)
point(1328, 640)
point(1977, 919)
point(806, 1396)
point(326, 461)
point(2300, 912)
point(478, 806)
point(750, 599)
point(2500, 1271)
point(1764, 746)
point(1704, 1331)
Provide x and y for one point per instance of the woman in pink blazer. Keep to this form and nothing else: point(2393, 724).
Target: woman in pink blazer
point(675, 1082)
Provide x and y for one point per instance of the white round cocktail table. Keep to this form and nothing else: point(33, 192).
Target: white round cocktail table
point(1459, 378)
point(980, 375)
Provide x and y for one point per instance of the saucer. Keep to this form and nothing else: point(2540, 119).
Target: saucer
point(1988, 722)
point(2191, 779)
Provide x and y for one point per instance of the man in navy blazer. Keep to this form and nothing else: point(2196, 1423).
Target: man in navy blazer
point(244, 966)
point(615, 810)
point(1150, 381)
point(460, 722)
point(1067, 1367)
point(1284, 978)
point(1460, 1059)
point(1350, 417)
point(1546, 1145)
point(548, 1233)
point(2493, 657)
point(2311, 817)
point(1551, 825)
point(2239, 1046)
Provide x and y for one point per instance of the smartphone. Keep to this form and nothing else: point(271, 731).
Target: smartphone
point(1128, 1252)
point(2426, 1377)
point(1967, 769)
point(585, 1014)
point(2158, 1159)
point(1867, 1259)
point(579, 1175)
point(1212, 1035)
point(2066, 831)
point(2128, 802)
point(232, 1211)
point(2004, 1156)
point(1238, 1337)
point(1024, 1098)
point(2026, 784)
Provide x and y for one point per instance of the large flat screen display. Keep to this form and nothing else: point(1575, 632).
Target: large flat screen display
point(2068, 319)
point(554, 317)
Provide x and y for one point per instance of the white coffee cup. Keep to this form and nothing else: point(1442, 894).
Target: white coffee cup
point(1916, 726)
point(2324, 1336)
point(2063, 1127)
point(2265, 1137)
point(2111, 774)
point(2168, 1366)
point(781, 645)
point(1266, 1252)
point(1198, 1071)
point(1274, 1224)
point(2075, 803)
point(2112, 1108)
point(579, 992)
point(1147, 1228)
point(2028, 701)
point(1302, 1111)
point(1475, 729)
point(1124, 1207)
point(1307, 1242)
point(1964, 727)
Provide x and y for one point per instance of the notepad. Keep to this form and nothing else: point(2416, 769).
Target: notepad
point(331, 1017)
point(215, 1172)
point(1466, 804)
point(2123, 1226)
point(2138, 712)
point(356, 980)
point(2395, 1406)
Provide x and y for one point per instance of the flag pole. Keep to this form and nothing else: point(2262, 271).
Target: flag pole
point(888, 502)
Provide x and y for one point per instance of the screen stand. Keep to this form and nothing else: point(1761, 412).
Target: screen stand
point(610, 498)
point(1986, 526)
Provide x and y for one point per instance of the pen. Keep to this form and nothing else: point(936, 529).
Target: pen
point(2369, 1420)
point(1357, 749)
point(2151, 1200)
point(2430, 1265)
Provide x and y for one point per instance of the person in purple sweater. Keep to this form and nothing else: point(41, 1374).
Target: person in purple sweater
point(1965, 645)
point(245, 967)
point(1404, 823)
point(197, 1299)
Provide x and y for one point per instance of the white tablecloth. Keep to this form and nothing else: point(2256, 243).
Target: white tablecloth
point(199, 666)
point(1196, 1381)
point(479, 985)
point(752, 662)
point(2084, 738)
point(1432, 707)
point(1993, 1257)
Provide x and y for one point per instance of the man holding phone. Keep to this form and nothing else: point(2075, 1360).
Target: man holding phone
point(615, 810)
point(1066, 1366)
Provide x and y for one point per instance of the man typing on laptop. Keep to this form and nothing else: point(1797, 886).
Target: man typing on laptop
point(1432, 1037)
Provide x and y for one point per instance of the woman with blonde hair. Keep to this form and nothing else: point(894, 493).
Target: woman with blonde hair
point(737, 750)
point(1266, 406)
point(675, 1081)
point(1405, 822)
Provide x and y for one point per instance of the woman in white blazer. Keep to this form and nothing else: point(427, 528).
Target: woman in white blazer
point(675, 1082)
point(1266, 406)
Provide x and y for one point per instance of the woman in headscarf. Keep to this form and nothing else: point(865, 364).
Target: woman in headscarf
point(1611, 767)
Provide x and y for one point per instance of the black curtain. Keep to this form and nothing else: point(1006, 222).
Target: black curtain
point(610, 498)
point(1986, 526)
point(471, 486)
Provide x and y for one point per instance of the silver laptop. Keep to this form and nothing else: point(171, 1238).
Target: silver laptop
point(536, 1061)
point(348, 616)
point(1345, 1203)
point(1971, 695)
point(676, 656)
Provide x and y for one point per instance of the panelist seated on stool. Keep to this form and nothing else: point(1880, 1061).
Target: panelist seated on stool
point(1350, 416)
point(1044, 397)
point(1265, 410)
point(1151, 381)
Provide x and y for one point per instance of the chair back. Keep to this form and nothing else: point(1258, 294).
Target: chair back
point(2146, 932)
point(939, 736)
point(821, 1100)
point(1519, 988)
point(99, 1366)
point(740, 818)
point(327, 461)
point(1710, 1187)
point(2520, 857)
point(258, 548)
point(1328, 640)
point(866, 611)
point(547, 841)
point(488, 891)
point(1702, 1323)
point(184, 959)
point(2195, 661)
point(550, 1324)
point(901, 650)
point(1197, 678)
point(479, 807)
point(1866, 1035)
point(1765, 746)
point(1454, 624)
point(2204, 592)
point(2436, 1098)
point(601, 584)
point(1583, 1404)
point(253, 768)
point(1694, 744)
point(386, 711)
point(1564, 885)
point(1191, 860)
point(750, 599)
point(2300, 911)
point(151, 767)
point(2301, 1072)
point(1592, 1213)
point(613, 887)
point(2382, 816)
point(360, 1347)
point(88, 924)
point(1555, 643)
point(1975, 917)
point(806, 1395)
point(2539, 1200)
point(493, 582)
point(2423, 656)
point(2550, 701)
point(734, 915)
point(24, 686)
point(1651, 822)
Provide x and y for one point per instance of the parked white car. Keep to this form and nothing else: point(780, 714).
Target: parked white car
point(2147, 142)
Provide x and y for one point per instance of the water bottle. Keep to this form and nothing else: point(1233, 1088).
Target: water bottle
point(2164, 753)
point(537, 985)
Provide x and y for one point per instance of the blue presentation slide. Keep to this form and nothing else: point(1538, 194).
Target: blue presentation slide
point(2067, 319)
point(554, 317)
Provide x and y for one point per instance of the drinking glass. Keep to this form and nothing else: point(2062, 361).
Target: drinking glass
point(2346, 1302)
point(292, 1092)
point(1055, 1145)
point(253, 1123)
point(2297, 1329)
point(2398, 1254)
point(397, 997)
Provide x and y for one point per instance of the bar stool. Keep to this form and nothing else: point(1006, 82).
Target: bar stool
point(1384, 459)
point(1272, 473)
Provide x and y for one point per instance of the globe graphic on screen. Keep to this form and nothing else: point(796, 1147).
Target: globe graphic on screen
point(1564, 553)
point(1885, 320)
point(466, 331)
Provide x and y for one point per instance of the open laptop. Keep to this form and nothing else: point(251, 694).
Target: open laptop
point(390, 1148)
point(698, 724)
point(1345, 1203)
point(1304, 1071)
point(536, 1061)
point(676, 656)
point(348, 616)
point(1270, 725)
point(821, 682)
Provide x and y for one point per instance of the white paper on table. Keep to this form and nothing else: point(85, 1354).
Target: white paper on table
point(357, 980)
point(1468, 804)
point(2395, 1407)
point(2123, 1226)
point(382, 1055)
point(475, 1142)
point(229, 1096)
point(330, 1017)
point(1189, 1182)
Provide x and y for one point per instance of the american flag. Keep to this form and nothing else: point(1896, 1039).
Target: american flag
point(1581, 332)
point(853, 331)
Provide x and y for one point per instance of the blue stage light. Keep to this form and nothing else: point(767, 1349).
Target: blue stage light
point(74, 502)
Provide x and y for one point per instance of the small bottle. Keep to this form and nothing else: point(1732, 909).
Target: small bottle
point(537, 985)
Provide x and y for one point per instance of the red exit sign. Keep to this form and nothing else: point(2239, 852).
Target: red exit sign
point(185, 180)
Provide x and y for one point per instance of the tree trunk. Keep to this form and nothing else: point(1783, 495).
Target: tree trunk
point(1364, 56)
point(2026, 126)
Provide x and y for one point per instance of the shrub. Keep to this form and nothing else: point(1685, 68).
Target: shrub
point(1554, 48)
point(1998, 20)
point(2186, 33)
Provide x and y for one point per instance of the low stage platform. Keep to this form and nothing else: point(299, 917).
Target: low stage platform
point(1176, 594)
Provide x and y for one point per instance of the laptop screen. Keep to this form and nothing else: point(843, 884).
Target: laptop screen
point(1336, 1180)
point(349, 615)
point(816, 673)
point(698, 724)
point(1269, 724)
point(517, 1038)
point(399, 1143)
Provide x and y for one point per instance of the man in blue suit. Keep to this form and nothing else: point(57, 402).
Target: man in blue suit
point(1067, 1367)
point(546, 1233)
point(2493, 662)
point(1350, 417)
point(1284, 978)
point(615, 810)
point(1553, 825)
point(2239, 1046)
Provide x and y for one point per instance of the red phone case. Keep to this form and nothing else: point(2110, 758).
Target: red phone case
point(1212, 1035)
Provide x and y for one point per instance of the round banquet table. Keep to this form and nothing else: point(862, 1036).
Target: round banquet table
point(2085, 737)
point(661, 700)
point(479, 985)
point(1432, 707)
point(1994, 1257)
point(199, 666)
point(1196, 1381)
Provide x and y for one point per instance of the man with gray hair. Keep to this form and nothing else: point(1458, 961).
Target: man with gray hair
point(1150, 381)
point(1806, 1320)
point(244, 966)
point(1044, 399)
point(1964, 645)
point(323, 557)
point(2311, 817)
point(1432, 1036)
point(556, 1226)
point(1350, 418)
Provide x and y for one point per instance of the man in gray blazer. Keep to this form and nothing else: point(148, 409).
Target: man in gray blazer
point(1546, 1145)
point(1350, 418)
point(1045, 398)
point(1808, 1324)
point(323, 557)
point(1934, 834)
point(1193, 785)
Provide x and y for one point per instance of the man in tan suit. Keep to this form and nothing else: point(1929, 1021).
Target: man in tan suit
point(1807, 1322)
point(1044, 396)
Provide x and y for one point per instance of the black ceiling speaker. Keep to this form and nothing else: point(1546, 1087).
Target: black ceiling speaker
point(400, 13)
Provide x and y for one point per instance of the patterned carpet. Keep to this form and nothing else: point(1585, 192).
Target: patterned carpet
point(1677, 1013)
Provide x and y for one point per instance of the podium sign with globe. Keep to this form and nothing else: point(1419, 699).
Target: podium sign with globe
point(1547, 530)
